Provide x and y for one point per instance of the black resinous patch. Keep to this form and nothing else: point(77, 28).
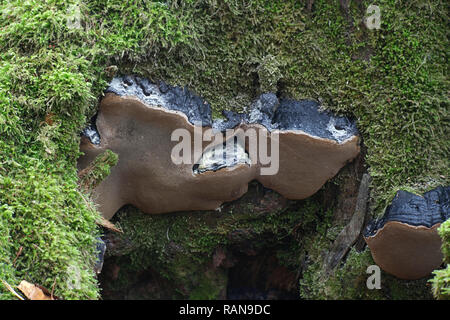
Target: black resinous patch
point(91, 131)
point(267, 110)
point(180, 99)
point(432, 208)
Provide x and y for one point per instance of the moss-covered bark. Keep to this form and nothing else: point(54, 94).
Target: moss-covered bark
point(53, 69)
point(194, 255)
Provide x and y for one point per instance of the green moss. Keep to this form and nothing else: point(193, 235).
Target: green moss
point(444, 232)
point(391, 80)
point(441, 283)
point(46, 218)
point(441, 280)
point(349, 281)
point(6, 263)
point(211, 286)
point(180, 247)
point(98, 170)
point(50, 77)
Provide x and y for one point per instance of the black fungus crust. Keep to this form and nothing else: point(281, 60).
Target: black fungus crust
point(267, 110)
point(91, 131)
point(409, 208)
point(180, 99)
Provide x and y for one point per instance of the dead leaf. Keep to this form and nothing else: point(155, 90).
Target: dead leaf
point(33, 292)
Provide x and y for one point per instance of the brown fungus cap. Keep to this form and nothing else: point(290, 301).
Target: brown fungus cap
point(145, 175)
point(405, 251)
point(405, 241)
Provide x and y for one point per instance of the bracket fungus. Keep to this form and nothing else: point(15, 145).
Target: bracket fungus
point(405, 241)
point(138, 120)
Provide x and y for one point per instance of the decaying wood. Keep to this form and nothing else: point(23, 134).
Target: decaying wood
point(348, 236)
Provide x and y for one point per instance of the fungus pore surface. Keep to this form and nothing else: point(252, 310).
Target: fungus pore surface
point(137, 120)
